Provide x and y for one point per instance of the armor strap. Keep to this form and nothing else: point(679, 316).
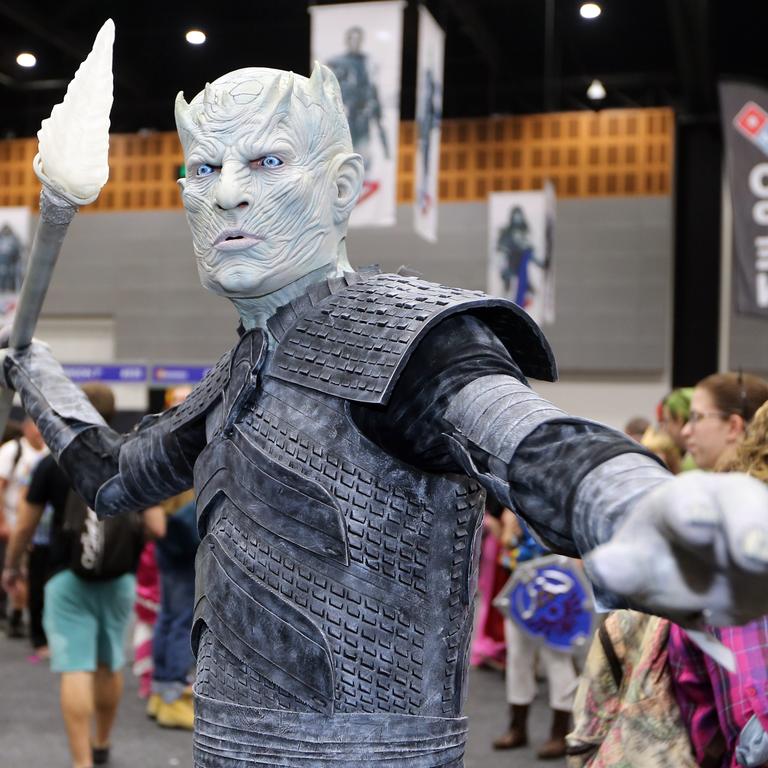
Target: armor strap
point(231, 734)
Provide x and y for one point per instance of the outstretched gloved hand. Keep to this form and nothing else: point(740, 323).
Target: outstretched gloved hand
point(694, 550)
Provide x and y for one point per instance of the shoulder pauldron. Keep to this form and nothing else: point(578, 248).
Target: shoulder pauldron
point(352, 336)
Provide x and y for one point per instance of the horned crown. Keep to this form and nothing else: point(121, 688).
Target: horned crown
point(264, 97)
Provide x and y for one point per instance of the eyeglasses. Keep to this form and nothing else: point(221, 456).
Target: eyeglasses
point(695, 416)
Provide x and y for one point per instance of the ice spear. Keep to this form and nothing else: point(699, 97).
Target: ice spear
point(71, 163)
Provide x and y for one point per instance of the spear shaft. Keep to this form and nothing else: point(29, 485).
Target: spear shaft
point(56, 214)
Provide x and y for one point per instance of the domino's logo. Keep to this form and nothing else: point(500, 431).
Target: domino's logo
point(752, 123)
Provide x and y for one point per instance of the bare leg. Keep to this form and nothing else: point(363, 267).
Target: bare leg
point(108, 689)
point(77, 705)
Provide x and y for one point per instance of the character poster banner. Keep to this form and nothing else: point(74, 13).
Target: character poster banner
point(744, 113)
point(521, 228)
point(362, 44)
point(15, 228)
point(429, 107)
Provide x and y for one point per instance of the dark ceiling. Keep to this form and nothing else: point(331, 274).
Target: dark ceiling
point(499, 57)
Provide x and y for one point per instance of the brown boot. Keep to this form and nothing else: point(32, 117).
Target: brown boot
point(517, 735)
point(555, 747)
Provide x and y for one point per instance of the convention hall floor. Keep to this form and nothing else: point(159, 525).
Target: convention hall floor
point(32, 734)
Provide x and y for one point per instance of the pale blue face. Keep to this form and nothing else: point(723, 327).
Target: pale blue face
point(259, 207)
point(263, 151)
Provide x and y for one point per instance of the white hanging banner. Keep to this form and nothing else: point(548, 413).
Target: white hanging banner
point(429, 108)
point(15, 227)
point(362, 43)
point(521, 229)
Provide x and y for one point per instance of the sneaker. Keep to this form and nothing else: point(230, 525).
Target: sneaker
point(177, 714)
point(153, 704)
point(100, 755)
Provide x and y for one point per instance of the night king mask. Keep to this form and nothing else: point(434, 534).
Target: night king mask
point(271, 178)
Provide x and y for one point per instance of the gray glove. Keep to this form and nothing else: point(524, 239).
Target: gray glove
point(695, 549)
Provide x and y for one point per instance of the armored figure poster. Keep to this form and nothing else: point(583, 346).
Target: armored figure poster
point(429, 108)
point(361, 43)
point(520, 250)
point(15, 225)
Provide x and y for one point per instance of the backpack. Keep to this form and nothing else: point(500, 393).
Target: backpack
point(625, 711)
point(100, 550)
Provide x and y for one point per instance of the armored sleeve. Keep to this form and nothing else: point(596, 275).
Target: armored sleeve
point(114, 473)
point(463, 405)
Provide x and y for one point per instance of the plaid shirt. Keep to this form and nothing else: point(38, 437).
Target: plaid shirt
point(712, 700)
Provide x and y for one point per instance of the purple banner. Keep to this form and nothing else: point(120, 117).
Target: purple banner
point(178, 374)
point(127, 374)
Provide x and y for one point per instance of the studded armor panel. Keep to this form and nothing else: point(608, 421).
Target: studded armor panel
point(352, 336)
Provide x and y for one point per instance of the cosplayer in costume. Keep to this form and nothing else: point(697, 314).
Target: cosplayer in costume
point(341, 452)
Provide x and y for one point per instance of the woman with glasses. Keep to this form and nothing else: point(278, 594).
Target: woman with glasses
point(726, 713)
point(721, 407)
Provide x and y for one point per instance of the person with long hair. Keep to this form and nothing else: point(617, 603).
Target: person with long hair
point(726, 713)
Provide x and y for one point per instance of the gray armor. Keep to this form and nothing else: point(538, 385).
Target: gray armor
point(351, 572)
point(335, 582)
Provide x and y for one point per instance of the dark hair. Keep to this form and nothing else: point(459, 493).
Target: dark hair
point(739, 393)
point(102, 399)
point(637, 425)
point(12, 431)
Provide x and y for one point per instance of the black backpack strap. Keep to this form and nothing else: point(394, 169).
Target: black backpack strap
point(614, 663)
point(18, 453)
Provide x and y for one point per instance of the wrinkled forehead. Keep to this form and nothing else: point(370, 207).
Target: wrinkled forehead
point(260, 104)
point(243, 86)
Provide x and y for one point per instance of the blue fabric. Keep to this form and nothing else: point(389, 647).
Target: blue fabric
point(177, 549)
point(528, 547)
point(86, 621)
point(171, 649)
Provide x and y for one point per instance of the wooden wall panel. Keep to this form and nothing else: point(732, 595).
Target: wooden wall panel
point(612, 153)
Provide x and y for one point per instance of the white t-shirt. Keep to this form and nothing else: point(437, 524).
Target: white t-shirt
point(17, 475)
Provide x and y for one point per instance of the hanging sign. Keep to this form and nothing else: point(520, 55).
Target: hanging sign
point(429, 107)
point(362, 44)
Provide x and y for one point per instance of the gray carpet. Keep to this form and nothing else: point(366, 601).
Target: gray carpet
point(32, 733)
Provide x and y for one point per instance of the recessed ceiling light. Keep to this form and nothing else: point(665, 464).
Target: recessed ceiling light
point(195, 36)
point(26, 60)
point(590, 10)
point(596, 91)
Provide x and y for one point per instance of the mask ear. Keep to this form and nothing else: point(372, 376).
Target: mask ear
point(348, 183)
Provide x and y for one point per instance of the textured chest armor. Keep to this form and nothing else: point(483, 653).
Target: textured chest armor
point(335, 582)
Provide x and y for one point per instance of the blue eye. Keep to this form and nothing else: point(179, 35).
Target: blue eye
point(204, 170)
point(269, 161)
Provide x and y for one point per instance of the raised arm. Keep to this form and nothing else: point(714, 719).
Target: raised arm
point(114, 473)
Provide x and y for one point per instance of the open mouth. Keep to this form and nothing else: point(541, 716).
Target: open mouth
point(235, 240)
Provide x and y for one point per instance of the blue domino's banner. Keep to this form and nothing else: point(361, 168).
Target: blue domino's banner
point(126, 374)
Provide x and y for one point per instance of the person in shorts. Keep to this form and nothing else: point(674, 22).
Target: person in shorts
point(88, 597)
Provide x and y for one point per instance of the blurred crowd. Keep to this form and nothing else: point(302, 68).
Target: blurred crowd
point(629, 690)
point(638, 690)
point(76, 585)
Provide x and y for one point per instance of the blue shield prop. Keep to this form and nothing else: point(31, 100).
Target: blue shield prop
point(550, 599)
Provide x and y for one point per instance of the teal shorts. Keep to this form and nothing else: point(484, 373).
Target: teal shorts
point(86, 621)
